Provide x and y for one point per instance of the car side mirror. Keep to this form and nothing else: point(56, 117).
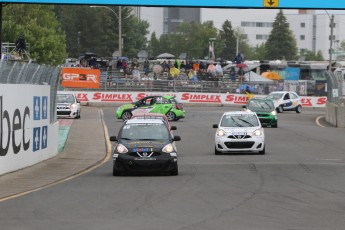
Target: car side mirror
point(113, 138)
point(215, 126)
point(244, 106)
point(177, 138)
point(173, 128)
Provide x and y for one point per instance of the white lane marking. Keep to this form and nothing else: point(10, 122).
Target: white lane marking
point(318, 121)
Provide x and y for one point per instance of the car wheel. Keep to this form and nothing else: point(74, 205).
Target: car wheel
point(263, 151)
point(126, 115)
point(171, 116)
point(280, 109)
point(275, 125)
point(299, 109)
point(174, 171)
point(116, 172)
point(216, 152)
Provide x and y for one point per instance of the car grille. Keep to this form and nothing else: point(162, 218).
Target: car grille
point(135, 154)
point(263, 114)
point(63, 112)
point(265, 120)
point(63, 107)
point(239, 145)
point(239, 136)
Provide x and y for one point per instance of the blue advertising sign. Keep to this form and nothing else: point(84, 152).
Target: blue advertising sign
point(37, 108)
point(292, 74)
point(284, 4)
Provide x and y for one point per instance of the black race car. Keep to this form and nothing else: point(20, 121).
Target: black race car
point(145, 146)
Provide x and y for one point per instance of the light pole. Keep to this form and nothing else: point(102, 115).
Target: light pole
point(119, 17)
point(211, 45)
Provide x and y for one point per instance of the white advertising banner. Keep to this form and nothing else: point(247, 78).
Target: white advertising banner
point(26, 135)
point(185, 97)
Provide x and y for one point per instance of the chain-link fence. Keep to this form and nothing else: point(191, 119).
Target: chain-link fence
point(336, 86)
point(17, 72)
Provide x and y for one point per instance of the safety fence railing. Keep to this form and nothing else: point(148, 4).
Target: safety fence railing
point(17, 72)
point(303, 88)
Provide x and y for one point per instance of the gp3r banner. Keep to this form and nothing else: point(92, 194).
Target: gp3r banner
point(80, 78)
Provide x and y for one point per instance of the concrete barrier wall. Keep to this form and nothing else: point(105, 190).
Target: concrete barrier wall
point(335, 114)
point(26, 134)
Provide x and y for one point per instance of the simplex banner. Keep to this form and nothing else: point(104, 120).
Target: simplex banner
point(184, 97)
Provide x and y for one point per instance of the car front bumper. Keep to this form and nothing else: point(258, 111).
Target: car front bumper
point(67, 113)
point(252, 144)
point(129, 164)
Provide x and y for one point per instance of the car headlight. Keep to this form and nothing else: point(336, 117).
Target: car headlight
point(258, 132)
point(248, 110)
point(121, 148)
point(168, 148)
point(73, 106)
point(220, 132)
point(274, 113)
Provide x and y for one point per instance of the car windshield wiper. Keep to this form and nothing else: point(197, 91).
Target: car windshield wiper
point(251, 125)
point(125, 138)
point(238, 124)
point(269, 106)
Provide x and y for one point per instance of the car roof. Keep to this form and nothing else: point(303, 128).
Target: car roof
point(283, 92)
point(65, 93)
point(260, 99)
point(239, 113)
point(144, 121)
point(148, 115)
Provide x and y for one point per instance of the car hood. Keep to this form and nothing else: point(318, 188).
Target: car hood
point(261, 110)
point(154, 144)
point(230, 130)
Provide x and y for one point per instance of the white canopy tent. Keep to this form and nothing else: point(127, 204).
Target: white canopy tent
point(254, 77)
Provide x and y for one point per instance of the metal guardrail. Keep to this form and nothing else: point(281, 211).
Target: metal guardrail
point(17, 72)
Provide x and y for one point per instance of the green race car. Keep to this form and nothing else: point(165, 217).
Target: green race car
point(167, 105)
point(265, 110)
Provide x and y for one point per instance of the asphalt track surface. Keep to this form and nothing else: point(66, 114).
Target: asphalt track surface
point(298, 184)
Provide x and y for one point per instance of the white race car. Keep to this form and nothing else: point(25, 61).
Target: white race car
point(67, 105)
point(239, 131)
point(286, 101)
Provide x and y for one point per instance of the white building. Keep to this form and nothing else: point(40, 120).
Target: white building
point(311, 28)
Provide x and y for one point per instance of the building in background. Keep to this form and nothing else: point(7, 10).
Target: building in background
point(311, 28)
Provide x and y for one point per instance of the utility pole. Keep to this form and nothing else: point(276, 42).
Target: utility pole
point(331, 24)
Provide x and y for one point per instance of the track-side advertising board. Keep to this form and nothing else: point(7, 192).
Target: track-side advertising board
point(284, 4)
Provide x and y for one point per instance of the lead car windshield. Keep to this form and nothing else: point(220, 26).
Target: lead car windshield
point(239, 121)
point(144, 132)
point(65, 98)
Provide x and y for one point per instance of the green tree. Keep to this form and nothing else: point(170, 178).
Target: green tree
point(153, 47)
point(228, 36)
point(40, 28)
point(258, 52)
point(311, 56)
point(96, 30)
point(281, 43)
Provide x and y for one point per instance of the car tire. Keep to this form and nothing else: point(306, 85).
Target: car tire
point(275, 125)
point(216, 152)
point(126, 115)
point(174, 171)
point(298, 109)
point(116, 172)
point(280, 109)
point(171, 116)
point(263, 151)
